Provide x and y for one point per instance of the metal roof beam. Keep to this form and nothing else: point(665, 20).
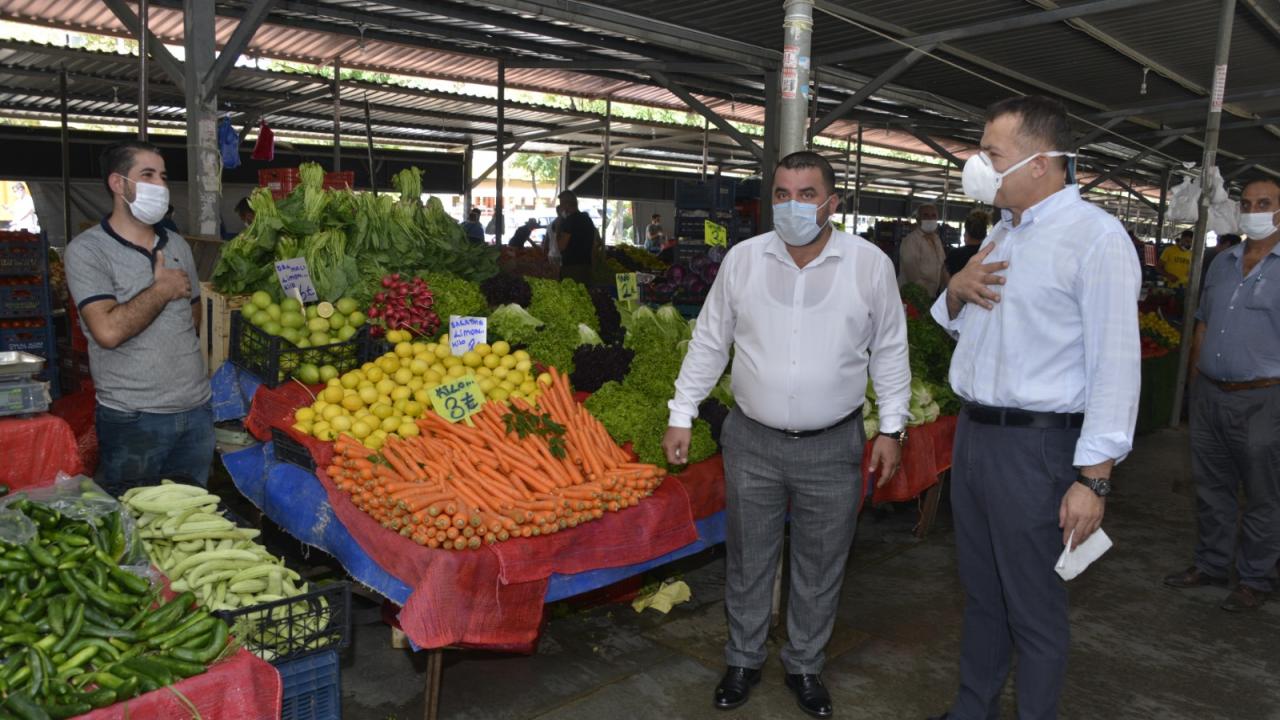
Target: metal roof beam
point(983, 28)
point(1271, 21)
point(1098, 132)
point(698, 106)
point(1196, 104)
point(1126, 164)
point(542, 134)
point(1233, 125)
point(864, 92)
point(1141, 198)
point(165, 59)
point(713, 68)
point(937, 147)
point(249, 23)
point(1240, 169)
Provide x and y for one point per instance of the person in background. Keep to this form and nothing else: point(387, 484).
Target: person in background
point(472, 227)
point(975, 231)
point(245, 211)
point(136, 288)
point(656, 236)
point(921, 257)
point(1235, 400)
point(1047, 364)
point(1175, 261)
point(809, 312)
point(667, 253)
point(1225, 243)
point(521, 236)
point(575, 239)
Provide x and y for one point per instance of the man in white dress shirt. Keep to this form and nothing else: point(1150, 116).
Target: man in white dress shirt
point(1048, 365)
point(808, 310)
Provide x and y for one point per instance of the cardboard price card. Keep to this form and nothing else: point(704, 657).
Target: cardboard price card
point(715, 233)
point(466, 332)
point(295, 279)
point(457, 400)
point(628, 288)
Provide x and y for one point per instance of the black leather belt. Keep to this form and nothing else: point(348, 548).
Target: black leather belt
point(1012, 417)
point(798, 434)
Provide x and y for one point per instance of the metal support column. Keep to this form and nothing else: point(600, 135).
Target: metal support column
point(844, 196)
point(467, 160)
point(1225, 21)
point(797, 27)
point(368, 139)
point(66, 158)
point(857, 180)
point(1164, 204)
point(772, 119)
point(706, 146)
point(204, 162)
point(605, 216)
point(502, 148)
point(143, 13)
point(337, 115)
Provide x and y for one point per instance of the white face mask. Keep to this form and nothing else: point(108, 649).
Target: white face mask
point(1258, 225)
point(981, 181)
point(150, 202)
point(797, 223)
point(929, 225)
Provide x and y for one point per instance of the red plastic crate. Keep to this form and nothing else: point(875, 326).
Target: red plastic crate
point(282, 181)
point(23, 297)
point(25, 335)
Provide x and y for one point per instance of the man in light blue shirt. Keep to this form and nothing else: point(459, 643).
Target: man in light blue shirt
point(1235, 400)
point(1048, 366)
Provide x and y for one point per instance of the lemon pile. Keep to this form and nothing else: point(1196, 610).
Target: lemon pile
point(386, 396)
point(1156, 327)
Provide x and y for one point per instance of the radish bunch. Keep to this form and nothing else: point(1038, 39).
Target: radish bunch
point(403, 305)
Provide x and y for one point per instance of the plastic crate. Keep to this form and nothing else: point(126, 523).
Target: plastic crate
point(19, 398)
point(21, 253)
point(312, 688)
point(302, 625)
point(273, 359)
point(23, 299)
point(282, 181)
point(33, 337)
point(291, 451)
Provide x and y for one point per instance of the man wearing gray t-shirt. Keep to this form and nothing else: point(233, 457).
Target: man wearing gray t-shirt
point(136, 288)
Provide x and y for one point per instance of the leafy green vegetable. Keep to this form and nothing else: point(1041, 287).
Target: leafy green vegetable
point(917, 297)
point(632, 417)
point(587, 336)
point(563, 306)
point(514, 324)
point(454, 296)
point(930, 350)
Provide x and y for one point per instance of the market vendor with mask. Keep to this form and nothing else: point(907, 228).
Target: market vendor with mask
point(921, 257)
point(808, 311)
point(136, 288)
point(1048, 367)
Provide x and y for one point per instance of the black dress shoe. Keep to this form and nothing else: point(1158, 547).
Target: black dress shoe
point(735, 687)
point(1192, 577)
point(811, 694)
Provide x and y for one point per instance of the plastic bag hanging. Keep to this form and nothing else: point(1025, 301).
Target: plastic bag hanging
point(265, 146)
point(1224, 217)
point(1184, 200)
point(228, 144)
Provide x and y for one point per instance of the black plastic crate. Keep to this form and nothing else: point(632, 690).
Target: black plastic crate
point(27, 299)
point(21, 253)
point(273, 359)
point(291, 451)
point(284, 630)
point(311, 688)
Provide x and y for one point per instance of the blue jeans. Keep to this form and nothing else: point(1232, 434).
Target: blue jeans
point(141, 448)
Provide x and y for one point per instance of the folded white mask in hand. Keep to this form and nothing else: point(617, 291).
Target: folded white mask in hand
point(1073, 562)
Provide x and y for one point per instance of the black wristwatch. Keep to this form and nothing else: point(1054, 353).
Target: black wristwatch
point(1100, 486)
point(900, 436)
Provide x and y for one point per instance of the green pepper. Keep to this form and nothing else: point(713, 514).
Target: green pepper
point(8, 565)
point(21, 704)
point(74, 626)
point(57, 622)
point(40, 554)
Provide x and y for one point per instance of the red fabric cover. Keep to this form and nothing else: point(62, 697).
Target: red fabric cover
point(77, 409)
point(704, 483)
point(242, 687)
point(35, 449)
point(264, 148)
point(926, 455)
point(492, 597)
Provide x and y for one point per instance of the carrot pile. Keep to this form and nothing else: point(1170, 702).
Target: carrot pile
point(458, 486)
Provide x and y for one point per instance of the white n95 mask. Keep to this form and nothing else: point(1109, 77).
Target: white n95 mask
point(981, 181)
point(797, 223)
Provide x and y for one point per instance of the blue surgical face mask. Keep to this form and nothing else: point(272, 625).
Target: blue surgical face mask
point(797, 223)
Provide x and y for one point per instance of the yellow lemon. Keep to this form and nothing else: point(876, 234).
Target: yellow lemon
point(491, 361)
point(389, 364)
point(442, 350)
point(374, 443)
point(401, 393)
point(360, 430)
point(528, 387)
point(420, 348)
point(419, 366)
point(524, 365)
point(522, 355)
point(306, 414)
point(436, 372)
point(500, 372)
point(352, 402)
point(472, 359)
point(416, 384)
point(331, 394)
point(507, 385)
point(499, 394)
point(500, 348)
point(451, 362)
point(407, 430)
point(367, 367)
point(342, 423)
point(334, 411)
point(484, 372)
point(304, 428)
point(374, 374)
point(486, 386)
point(422, 397)
point(391, 424)
point(412, 409)
point(385, 386)
point(368, 396)
point(381, 411)
point(457, 371)
point(544, 379)
point(404, 349)
point(508, 361)
point(323, 432)
point(483, 349)
point(516, 377)
point(403, 376)
point(516, 394)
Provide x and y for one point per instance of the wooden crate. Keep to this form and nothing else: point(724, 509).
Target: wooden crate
point(215, 330)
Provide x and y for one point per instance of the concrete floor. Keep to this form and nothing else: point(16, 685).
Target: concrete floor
point(1139, 650)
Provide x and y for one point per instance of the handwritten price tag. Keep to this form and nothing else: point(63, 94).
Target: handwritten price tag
point(628, 290)
point(466, 332)
point(295, 279)
point(457, 400)
point(715, 234)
